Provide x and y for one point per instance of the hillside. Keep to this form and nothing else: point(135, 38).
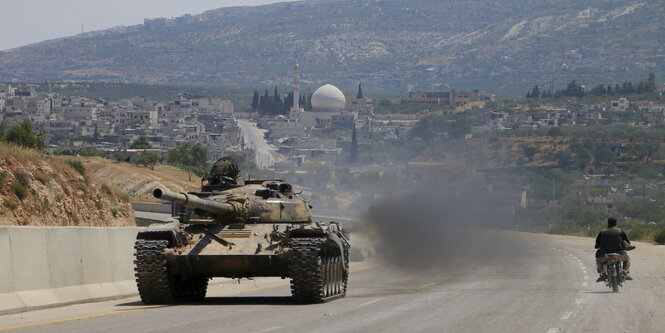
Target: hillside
point(388, 44)
point(139, 182)
point(36, 190)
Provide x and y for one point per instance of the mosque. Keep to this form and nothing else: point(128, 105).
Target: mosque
point(330, 108)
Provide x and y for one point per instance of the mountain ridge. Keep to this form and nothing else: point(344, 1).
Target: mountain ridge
point(508, 45)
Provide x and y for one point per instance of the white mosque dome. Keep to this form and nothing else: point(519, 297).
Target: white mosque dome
point(328, 97)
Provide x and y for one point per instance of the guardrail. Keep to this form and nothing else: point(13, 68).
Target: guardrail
point(52, 266)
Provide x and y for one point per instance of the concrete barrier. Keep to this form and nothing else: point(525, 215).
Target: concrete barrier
point(51, 266)
point(152, 207)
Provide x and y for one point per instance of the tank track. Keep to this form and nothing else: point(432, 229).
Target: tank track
point(153, 281)
point(315, 277)
point(152, 278)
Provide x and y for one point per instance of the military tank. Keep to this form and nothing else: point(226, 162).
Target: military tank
point(232, 230)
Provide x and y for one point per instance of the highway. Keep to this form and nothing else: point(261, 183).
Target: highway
point(549, 287)
point(265, 155)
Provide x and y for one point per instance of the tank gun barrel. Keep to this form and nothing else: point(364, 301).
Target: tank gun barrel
point(192, 201)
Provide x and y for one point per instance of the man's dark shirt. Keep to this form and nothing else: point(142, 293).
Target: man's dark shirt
point(610, 241)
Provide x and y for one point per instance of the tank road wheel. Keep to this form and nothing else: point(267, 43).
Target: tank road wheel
point(152, 278)
point(190, 289)
point(315, 277)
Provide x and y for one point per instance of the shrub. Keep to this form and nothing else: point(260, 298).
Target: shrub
point(3, 175)
point(22, 178)
point(90, 151)
point(42, 178)
point(106, 189)
point(78, 166)
point(64, 151)
point(9, 203)
point(20, 190)
point(659, 237)
point(115, 212)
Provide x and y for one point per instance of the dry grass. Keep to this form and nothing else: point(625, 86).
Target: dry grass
point(53, 193)
point(138, 182)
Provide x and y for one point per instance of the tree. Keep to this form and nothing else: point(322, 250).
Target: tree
point(354, 146)
point(288, 103)
point(359, 95)
point(141, 143)
point(598, 90)
point(428, 128)
point(120, 155)
point(189, 156)
point(651, 83)
point(149, 159)
point(22, 134)
point(277, 103)
point(529, 151)
point(255, 100)
point(535, 92)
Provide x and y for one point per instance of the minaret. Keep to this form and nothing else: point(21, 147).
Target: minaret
point(296, 109)
point(296, 87)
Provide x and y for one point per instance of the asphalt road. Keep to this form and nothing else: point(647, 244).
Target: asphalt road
point(549, 289)
point(265, 155)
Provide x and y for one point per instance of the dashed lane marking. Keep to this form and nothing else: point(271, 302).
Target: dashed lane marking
point(371, 302)
point(428, 284)
point(554, 330)
point(567, 315)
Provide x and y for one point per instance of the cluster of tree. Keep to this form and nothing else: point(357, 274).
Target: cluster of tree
point(23, 134)
point(192, 157)
point(580, 155)
point(140, 143)
point(574, 89)
point(85, 151)
point(433, 127)
point(276, 105)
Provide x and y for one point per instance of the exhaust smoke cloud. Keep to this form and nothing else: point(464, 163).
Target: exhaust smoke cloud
point(423, 228)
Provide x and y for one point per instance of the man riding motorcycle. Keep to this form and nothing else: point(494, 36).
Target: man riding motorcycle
point(612, 240)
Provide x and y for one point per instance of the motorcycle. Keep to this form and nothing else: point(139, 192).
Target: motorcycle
point(613, 268)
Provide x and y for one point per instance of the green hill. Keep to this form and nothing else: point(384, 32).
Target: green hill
point(392, 45)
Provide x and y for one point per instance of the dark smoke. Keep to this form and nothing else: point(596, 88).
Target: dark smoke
point(429, 227)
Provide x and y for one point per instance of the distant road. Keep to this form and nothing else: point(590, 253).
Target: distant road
point(549, 289)
point(265, 155)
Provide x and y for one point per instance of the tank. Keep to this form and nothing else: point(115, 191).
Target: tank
point(232, 230)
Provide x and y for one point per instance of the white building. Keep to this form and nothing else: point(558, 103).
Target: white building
point(621, 105)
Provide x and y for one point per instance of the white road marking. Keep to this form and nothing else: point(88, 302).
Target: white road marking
point(271, 329)
point(371, 302)
point(585, 284)
point(428, 284)
point(578, 301)
point(554, 330)
point(567, 315)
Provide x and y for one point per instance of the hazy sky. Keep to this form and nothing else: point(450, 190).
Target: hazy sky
point(28, 21)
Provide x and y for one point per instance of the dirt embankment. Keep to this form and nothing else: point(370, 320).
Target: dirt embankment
point(39, 190)
point(138, 182)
